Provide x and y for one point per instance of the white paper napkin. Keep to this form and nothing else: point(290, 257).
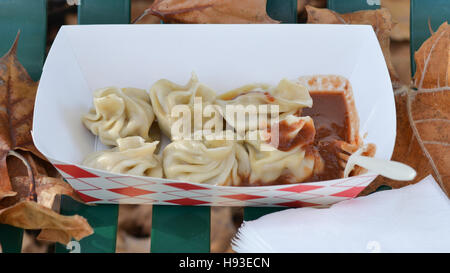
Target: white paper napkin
point(415, 218)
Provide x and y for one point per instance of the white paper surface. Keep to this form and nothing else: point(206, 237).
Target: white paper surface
point(85, 58)
point(415, 218)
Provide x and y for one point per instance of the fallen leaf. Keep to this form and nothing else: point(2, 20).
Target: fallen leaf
point(17, 94)
point(28, 183)
point(210, 11)
point(380, 20)
point(429, 106)
point(54, 227)
point(423, 116)
point(31, 215)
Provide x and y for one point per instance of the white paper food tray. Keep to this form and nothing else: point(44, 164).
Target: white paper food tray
point(84, 58)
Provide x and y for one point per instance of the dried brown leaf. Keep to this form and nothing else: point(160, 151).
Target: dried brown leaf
point(31, 215)
point(429, 106)
point(210, 11)
point(380, 20)
point(423, 116)
point(17, 94)
point(433, 61)
point(28, 183)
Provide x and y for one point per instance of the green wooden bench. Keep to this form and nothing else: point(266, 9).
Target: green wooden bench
point(174, 228)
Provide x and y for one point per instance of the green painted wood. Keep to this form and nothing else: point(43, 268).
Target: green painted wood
point(437, 11)
point(102, 218)
point(345, 6)
point(104, 12)
point(180, 229)
point(253, 213)
point(383, 188)
point(11, 239)
point(284, 11)
point(30, 17)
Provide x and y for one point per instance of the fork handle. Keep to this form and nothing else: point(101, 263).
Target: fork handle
point(387, 168)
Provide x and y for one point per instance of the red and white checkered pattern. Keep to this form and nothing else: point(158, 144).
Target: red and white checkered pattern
point(96, 186)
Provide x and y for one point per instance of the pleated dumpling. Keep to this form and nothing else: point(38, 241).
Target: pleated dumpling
point(216, 162)
point(289, 95)
point(119, 113)
point(132, 156)
point(165, 94)
point(291, 161)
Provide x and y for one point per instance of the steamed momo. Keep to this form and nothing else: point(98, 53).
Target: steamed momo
point(165, 94)
point(290, 161)
point(132, 156)
point(289, 96)
point(119, 113)
point(216, 162)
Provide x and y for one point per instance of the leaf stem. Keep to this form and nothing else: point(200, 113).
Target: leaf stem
point(32, 193)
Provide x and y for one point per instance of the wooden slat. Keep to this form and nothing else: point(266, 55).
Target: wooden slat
point(11, 239)
point(31, 18)
point(437, 11)
point(103, 218)
point(104, 12)
point(345, 6)
point(253, 213)
point(284, 11)
point(180, 229)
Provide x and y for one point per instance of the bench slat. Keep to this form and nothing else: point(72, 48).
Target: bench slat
point(345, 6)
point(437, 11)
point(253, 213)
point(104, 12)
point(31, 18)
point(10, 239)
point(180, 229)
point(102, 218)
point(284, 11)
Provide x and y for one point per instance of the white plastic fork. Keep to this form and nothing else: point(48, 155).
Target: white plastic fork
point(387, 168)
